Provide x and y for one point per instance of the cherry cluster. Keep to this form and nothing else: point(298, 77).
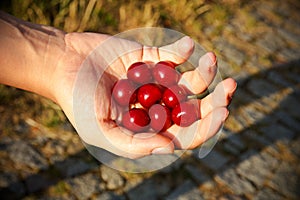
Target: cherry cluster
point(152, 99)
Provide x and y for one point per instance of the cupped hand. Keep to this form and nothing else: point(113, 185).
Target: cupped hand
point(114, 138)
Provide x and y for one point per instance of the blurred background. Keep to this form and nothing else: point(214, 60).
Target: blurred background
point(257, 156)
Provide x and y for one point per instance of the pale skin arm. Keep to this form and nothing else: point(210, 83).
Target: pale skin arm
point(28, 54)
point(45, 60)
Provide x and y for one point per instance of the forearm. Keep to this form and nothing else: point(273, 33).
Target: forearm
point(29, 54)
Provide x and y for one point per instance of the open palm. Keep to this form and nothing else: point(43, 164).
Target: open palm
point(114, 138)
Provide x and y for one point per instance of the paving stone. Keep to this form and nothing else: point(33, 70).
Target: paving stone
point(267, 194)
point(228, 147)
point(263, 155)
point(284, 10)
point(277, 132)
point(186, 191)
point(250, 115)
point(231, 52)
point(10, 185)
point(241, 78)
point(174, 165)
point(226, 133)
point(270, 42)
point(46, 197)
point(112, 178)
point(54, 159)
point(278, 79)
point(257, 167)
point(71, 167)
point(225, 68)
point(238, 185)
point(22, 153)
point(293, 76)
point(289, 121)
point(5, 142)
point(197, 174)
point(295, 147)
point(55, 147)
point(84, 186)
point(267, 13)
point(267, 104)
point(233, 124)
point(40, 140)
point(242, 97)
point(286, 180)
point(237, 141)
point(261, 87)
point(109, 196)
point(148, 190)
point(288, 54)
point(214, 160)
point(276, 149)
point(292, 25)
point(289, 104)
point(234, 144)
point(230, 197)
point(37, 182)
point(289, 36)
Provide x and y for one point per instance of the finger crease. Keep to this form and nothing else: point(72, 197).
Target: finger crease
point(157, 52)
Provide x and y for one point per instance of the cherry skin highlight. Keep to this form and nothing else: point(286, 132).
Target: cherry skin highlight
point(160, 117)
point(136, 120)
point(165, 74)
point(151, 98)
point(149, 94)
point(123, 92)
point(140, 73)
point(186, 113)
point(174, 95)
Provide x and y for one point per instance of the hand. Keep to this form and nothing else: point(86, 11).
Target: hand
point(213, 107)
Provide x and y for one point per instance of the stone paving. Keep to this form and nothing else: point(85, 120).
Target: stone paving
point(257, 157)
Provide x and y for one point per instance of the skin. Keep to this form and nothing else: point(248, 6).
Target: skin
point(46, 61)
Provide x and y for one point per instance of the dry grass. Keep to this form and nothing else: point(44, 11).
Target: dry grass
point(111, 16)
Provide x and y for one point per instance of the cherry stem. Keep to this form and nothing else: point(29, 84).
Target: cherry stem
point(199, 96)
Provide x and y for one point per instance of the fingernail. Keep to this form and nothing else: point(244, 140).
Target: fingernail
point(162, 150)
point(185, 44)
point(211, 59)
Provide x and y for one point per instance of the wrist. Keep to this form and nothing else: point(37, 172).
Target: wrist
point(29, 54)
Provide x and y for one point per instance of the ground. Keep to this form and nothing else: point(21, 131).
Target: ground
point(257, 155)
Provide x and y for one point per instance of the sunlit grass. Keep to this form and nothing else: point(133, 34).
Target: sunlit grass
point(112, 16)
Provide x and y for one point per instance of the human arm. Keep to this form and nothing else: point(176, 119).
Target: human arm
point(29, 54)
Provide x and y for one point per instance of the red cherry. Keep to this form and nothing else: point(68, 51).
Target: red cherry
point(165, 74)
point(149, 94)
point(186, 113)
point(124, 92)
point(139, 72)
point(160, 117)
point(136, 120)
point(174, 95)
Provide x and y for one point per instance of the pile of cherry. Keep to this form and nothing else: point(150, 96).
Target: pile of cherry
point(152, 99)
